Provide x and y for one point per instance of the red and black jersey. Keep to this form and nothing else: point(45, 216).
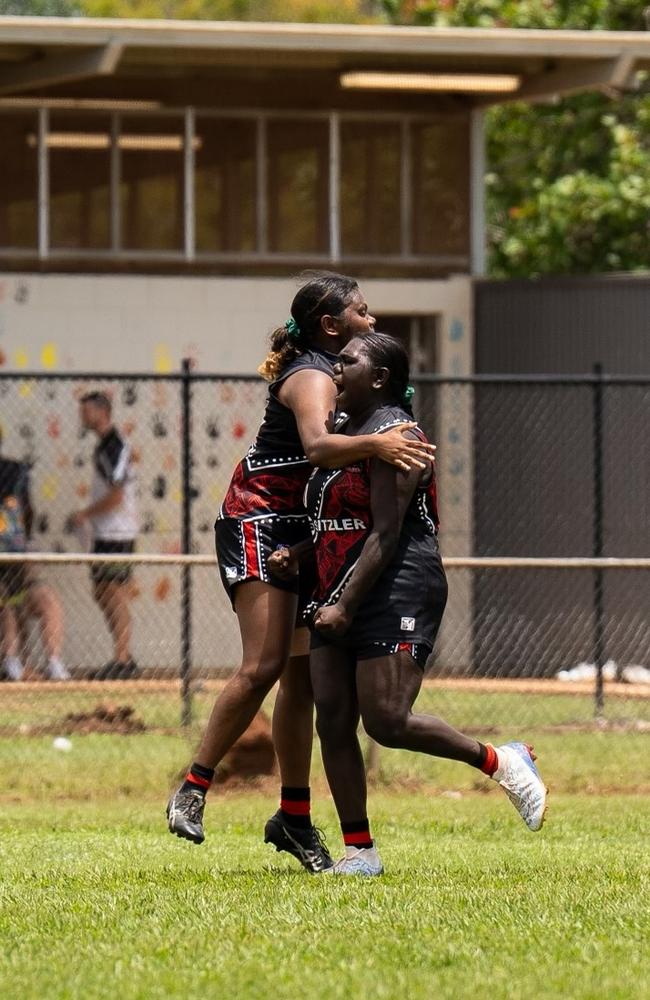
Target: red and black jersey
point(270, 480)
point(338, 504)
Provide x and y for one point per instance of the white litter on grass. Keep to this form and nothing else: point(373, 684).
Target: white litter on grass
point(62, 743)
point(632, 674)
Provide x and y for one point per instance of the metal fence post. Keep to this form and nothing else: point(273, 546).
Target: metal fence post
point(186, 543)
point(599, 611)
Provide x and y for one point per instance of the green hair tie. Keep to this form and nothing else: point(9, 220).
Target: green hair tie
point(409, 393)
point(293, 330)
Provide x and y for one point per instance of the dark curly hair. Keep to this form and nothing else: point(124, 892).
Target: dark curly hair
point(323, 294)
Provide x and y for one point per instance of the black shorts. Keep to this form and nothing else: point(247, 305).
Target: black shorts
point(243, 549)
point(14, 584)
point(111, 572)
point(397, 615)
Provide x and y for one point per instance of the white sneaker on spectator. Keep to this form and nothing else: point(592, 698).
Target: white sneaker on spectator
point(12, 669)
point(56, 671)
point(359, 861)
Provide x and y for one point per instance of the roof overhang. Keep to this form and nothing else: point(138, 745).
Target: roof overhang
point(41, 56)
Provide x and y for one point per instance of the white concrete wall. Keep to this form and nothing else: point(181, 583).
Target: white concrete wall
point(144, 324)
point(90, 323)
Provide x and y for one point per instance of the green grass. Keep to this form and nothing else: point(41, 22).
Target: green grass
point(485, 710)
point(97, 900)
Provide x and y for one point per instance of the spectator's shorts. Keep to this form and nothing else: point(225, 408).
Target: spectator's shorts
point(111, 572)
point(14, 584)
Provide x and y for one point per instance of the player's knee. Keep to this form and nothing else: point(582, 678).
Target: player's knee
point(385, 726)
point(333, 723)
point(259, 678)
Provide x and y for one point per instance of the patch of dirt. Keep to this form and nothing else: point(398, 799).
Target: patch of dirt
point(252, 756)
point(104, 718)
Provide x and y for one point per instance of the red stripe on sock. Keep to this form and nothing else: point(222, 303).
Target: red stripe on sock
point(196, 780)
point(295, 808)
point(491, 761)
point(361, 839)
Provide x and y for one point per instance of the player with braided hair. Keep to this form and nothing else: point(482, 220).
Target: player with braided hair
point(263, 509)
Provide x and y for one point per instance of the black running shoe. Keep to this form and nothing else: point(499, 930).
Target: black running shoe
point(117, 670)
point(185, 815)
point(306, 844)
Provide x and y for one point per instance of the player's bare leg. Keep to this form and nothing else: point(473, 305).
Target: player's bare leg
point(337, 721)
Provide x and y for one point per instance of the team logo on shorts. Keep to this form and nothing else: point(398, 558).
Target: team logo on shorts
point(231, 572)
point(408, 625)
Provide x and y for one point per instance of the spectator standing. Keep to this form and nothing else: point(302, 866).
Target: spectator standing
point(22, 596)
point(112, 518)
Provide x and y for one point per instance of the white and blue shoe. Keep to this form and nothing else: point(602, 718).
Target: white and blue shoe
point(359, 861)
point(521, 782)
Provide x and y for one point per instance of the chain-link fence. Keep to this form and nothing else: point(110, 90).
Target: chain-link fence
point(547, 468)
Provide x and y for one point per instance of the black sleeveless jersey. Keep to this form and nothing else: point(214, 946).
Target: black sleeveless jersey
point(270, 480)
point(338, 504)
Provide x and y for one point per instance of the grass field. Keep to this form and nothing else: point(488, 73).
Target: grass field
point(97, 900)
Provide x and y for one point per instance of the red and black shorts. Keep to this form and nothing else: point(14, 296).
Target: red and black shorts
point(244, 546)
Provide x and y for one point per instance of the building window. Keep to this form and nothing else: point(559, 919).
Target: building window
point(79, 154)
point(225, 185)
point(301, 188)
point(298, 185)
point(151, 183)
point(440, 157)
point(370, 187)
point(19, 199)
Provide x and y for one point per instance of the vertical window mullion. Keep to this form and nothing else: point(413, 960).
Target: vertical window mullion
point(188, 184)
point(116, 180)
point(406, 190)
point(477, 193)
point(262, 207)
point(43, 183)
point(334, 187)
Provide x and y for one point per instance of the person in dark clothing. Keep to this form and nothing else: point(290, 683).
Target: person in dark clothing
point(262, 510)
point(378, 605)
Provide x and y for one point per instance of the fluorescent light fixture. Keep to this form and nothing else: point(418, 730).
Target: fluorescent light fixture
point(102, 140)
point(463, 83)
point(78, 104)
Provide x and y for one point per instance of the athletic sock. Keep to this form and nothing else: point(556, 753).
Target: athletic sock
point(357, 834)
point(197, 779)
point(295, 806)
point(489, 761)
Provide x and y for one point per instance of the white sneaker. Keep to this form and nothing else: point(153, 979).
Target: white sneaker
point(522, 783)
point(359, 861)
point(12, 669)
point(56, 671)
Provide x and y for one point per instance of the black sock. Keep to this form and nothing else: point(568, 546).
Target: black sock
point(295, 806)
point(198, 779)
point(357, 834)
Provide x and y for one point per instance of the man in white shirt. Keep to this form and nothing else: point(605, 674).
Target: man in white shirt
point(112, 516)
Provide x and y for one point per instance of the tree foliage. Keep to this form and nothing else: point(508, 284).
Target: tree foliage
point(568, 184)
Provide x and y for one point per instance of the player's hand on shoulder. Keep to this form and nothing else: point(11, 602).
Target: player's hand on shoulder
point(401, 447)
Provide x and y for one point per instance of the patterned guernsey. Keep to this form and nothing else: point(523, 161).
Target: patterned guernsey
point(264, 505)
point(404, 607)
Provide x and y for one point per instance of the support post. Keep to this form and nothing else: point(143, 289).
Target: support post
point(599, 610)
point(186, 544)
